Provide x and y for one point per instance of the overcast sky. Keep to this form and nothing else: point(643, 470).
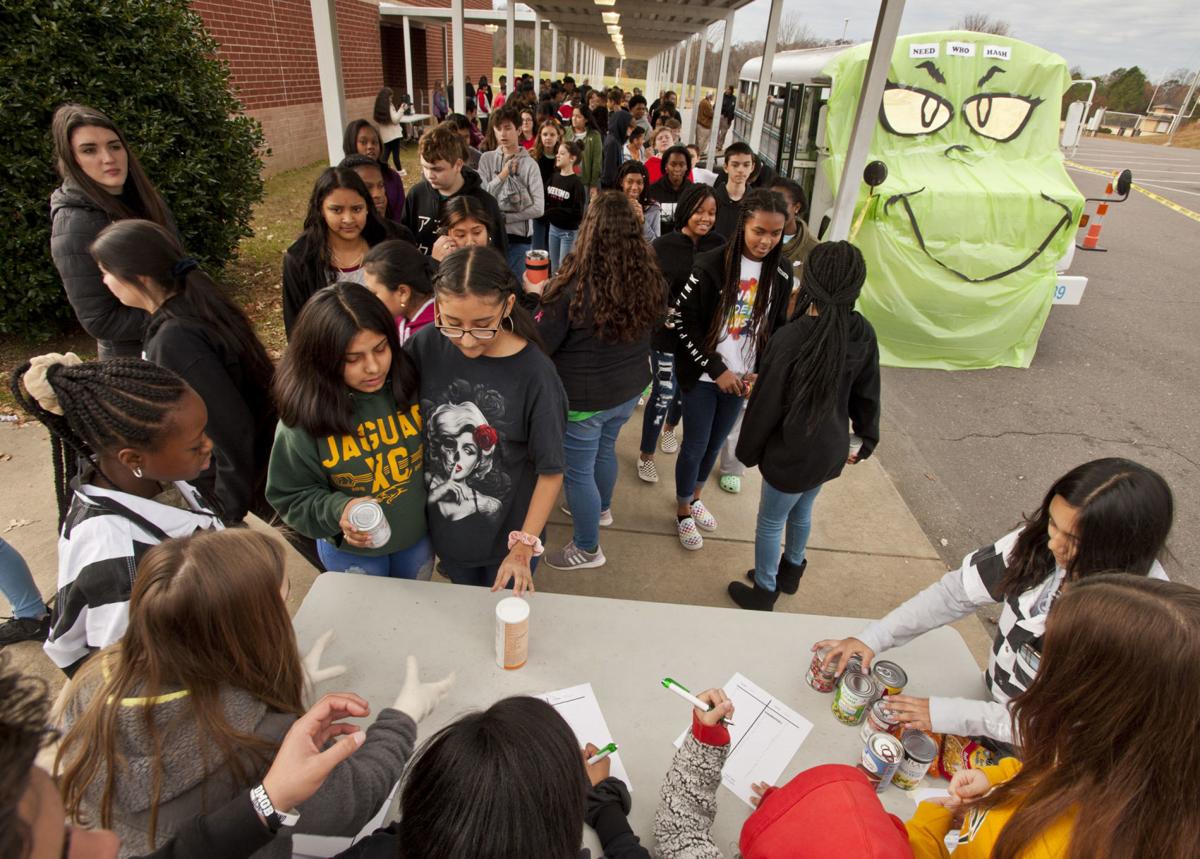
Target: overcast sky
point(1098, 35)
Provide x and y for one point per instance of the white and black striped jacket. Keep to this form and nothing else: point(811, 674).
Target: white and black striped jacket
point(103, 537)
point(1016, 651)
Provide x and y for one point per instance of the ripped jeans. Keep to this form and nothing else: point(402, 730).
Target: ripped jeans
point(663, 404)
point(415, 562)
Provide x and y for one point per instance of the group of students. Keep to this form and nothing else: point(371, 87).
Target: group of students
point(425, 372)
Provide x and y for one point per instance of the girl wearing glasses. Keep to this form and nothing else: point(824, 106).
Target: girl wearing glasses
point(349, 432)
point(496, 417)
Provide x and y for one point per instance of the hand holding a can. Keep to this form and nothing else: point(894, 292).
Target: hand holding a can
point(911, 712)
point(353, 536)
point(840, 652)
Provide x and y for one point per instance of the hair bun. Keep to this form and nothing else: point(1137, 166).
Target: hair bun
point(37, 382)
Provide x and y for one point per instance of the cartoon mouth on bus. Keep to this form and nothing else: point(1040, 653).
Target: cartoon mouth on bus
point(977, 208)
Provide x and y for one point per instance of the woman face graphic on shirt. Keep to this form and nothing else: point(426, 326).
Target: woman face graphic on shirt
point(460, 454)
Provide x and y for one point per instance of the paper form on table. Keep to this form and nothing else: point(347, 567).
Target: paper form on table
point(764, 739)
point(578, 705)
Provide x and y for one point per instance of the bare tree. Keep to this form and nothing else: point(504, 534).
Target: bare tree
point(794, 33)
point(981, 22)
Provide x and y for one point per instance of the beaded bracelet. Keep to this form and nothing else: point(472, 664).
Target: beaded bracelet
point(529, 540)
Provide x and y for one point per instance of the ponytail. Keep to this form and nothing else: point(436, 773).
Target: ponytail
point(833, 278)
point(483, 271)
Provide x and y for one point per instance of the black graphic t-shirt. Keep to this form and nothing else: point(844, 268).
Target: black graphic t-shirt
point(492, 425)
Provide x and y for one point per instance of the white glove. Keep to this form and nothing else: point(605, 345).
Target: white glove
point(417, 699)
point(313, 672)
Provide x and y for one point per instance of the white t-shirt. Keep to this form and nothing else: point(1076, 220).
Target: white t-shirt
point(736, 346)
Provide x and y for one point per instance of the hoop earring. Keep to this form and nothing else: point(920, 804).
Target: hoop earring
point(137, 471)
point(512, 326)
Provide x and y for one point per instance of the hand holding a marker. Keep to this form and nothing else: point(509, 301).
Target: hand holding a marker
point(720, 708)
point(597, 763)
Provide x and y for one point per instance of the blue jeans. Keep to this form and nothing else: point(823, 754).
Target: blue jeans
point(775, 510)
point(708, 417)
point(662, 407)
point(561, 242)
point(404, 564)
point(18, 586)
point(480, 577)
point(516, 257)
point(541, 236)
point(591, 473)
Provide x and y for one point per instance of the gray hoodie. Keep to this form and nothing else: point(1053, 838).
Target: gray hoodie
point(520, 194)
point(194, 781)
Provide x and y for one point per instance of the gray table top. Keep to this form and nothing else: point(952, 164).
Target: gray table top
point(623, 648)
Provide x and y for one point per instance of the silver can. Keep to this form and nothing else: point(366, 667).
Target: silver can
point(853, 696)
point(889, 676)
point(368, 516)
point(879, 720)
point(881, 757)
point(919, 752)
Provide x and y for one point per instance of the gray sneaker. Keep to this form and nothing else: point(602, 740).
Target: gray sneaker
point(571, 557)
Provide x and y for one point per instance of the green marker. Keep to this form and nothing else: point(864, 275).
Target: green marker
point(682, 691)
point(602, 754)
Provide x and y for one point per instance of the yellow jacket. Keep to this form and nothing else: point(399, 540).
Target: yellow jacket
point(928, 828)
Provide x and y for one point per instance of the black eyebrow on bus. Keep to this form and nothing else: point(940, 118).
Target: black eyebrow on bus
point(987, 77)
point(934, 71)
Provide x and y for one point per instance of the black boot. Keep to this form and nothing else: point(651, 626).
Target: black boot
point(788, 579)
point(753, 598)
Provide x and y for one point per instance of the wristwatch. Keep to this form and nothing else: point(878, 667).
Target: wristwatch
point(275, 819)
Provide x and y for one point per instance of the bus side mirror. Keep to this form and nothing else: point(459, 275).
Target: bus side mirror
point(1124, 182)
point(875, 174)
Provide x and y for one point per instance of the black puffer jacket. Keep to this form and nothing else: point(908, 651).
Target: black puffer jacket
point(74, 223)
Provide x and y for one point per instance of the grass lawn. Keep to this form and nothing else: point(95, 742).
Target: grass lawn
point(254, 277)
point(1187, 137)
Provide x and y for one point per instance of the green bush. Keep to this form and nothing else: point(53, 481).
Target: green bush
point(150, 65)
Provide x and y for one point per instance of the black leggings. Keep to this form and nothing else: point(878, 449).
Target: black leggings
point(391, 149)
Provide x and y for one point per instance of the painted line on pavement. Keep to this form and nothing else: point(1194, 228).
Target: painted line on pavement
point(1158, 198)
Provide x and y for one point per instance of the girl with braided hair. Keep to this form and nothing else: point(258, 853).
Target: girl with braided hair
point(820, 374)
point(140, 430)
point(199, 333)
point(735, 297)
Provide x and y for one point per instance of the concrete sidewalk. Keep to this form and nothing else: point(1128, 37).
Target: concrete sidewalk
point(867, 553)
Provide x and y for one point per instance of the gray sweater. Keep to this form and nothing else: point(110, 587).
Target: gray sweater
point(194, 781)
point(520, 194)
point(687, 803)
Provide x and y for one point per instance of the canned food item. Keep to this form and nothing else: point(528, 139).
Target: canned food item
point(879, 719)
point(852, 698)
point(881, 757)
point(821, 679)
point(856, 444)
point(854, 664)
point(889, 676)
point(368, 516)
point(919, 752)
point(537, 266)
point(512, 633)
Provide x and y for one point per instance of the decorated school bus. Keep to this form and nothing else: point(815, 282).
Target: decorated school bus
point(963, 237)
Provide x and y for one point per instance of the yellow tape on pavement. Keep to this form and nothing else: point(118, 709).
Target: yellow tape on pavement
point(1158, 198)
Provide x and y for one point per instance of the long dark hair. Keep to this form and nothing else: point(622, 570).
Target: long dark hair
point(1108, 727)
point(397, 262)
point(310, 390)
point(693, 197)
point(314, 239)
point(757, 200)
point(350, 138)
point(464, 207)
point(506, 782)
point(614, 271)
point(134, 249)
point(140, 199)
point(382, 114)
point(589, 119)
point(1125, 514)
point(485, 273)
point(99, 407)
point(833, 278)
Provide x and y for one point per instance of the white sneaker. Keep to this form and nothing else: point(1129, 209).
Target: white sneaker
point(605, 515)
point(689, 535)
point(647, 471)
point(704, 520)
point(670, 441)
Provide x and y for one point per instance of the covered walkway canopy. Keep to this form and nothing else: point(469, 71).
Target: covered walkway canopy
point(662, 32)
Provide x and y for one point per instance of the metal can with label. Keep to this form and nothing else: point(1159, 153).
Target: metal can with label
point(821, 679)
point(881, 757)
point(368, 516)
point(854, 664)
point(852, 698)
point(890, 677)
point(879, 720)
point(919, 752)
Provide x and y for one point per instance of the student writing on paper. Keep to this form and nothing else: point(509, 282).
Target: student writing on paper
point(1108, 754)
point(827, 812)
